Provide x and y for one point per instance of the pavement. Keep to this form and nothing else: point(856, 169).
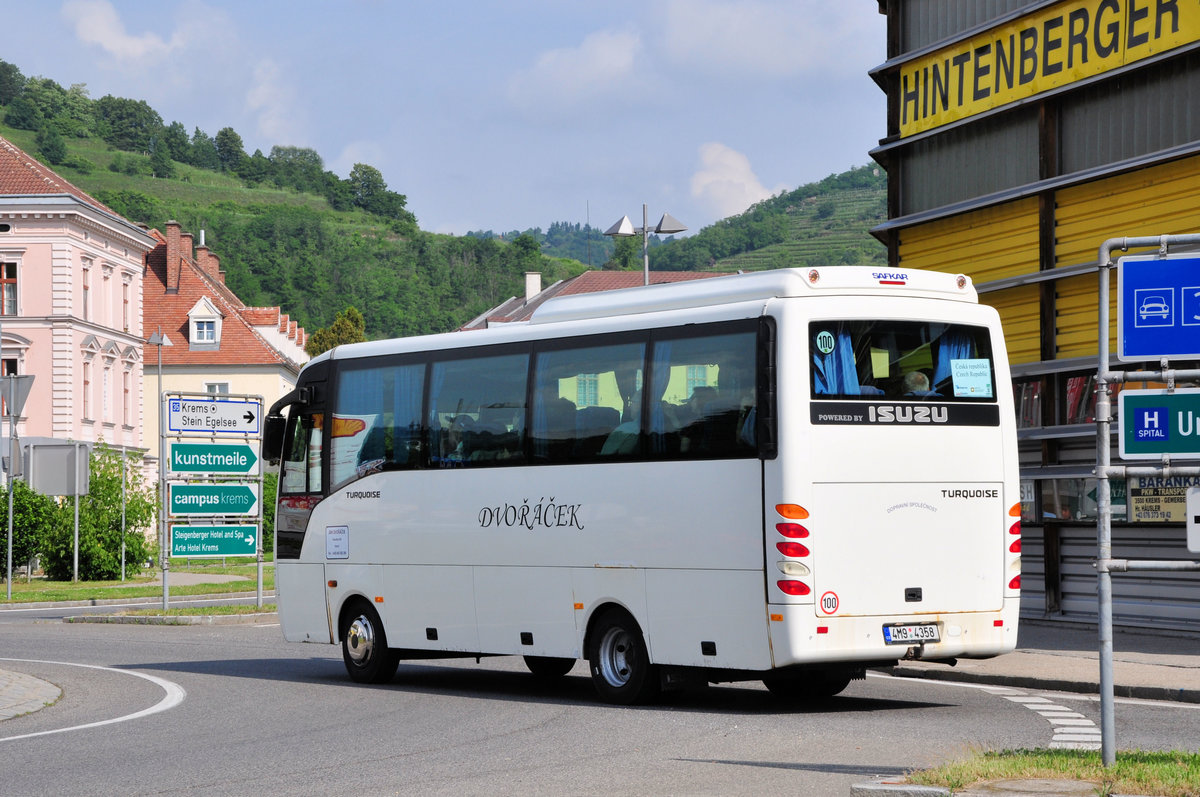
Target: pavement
point(1052, 657)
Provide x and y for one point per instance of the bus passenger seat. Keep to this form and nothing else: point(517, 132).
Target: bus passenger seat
point(592, 427)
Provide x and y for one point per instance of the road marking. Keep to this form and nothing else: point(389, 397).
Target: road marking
point(175, 695)
point(1072, 730)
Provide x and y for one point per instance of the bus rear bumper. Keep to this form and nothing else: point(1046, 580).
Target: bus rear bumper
point(800, 637)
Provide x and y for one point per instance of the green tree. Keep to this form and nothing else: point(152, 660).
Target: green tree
point(230, 150)
point(204, 151)
point(348, 327)
point(128, 125)
point(51, 145)
point(100, 522)
point(175, 137)
point(270, 487)
point(11, 82)
point(627, 253)
point(23, 114)
point(33, 519)
point(161, 164)
point(367, 183)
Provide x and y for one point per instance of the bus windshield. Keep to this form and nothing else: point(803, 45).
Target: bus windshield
point(906, 360)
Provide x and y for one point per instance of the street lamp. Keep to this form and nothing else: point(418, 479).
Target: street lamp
point(667, 225)
point(160, 339)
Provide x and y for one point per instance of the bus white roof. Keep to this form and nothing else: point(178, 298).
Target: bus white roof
point(715, 292)
point(759, 285)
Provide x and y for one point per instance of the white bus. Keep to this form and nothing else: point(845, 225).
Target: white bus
point(787, 476)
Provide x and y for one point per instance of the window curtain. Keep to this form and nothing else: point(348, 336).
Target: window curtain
point(835, 373)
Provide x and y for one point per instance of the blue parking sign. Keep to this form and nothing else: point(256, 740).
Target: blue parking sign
point(1158, 307)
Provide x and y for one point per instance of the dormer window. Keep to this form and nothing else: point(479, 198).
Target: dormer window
point(204, 326)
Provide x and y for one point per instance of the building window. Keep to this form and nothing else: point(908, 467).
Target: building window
point(206, 332)
point(87, 294)
point(697, 376)
point(8, 279)
point(105, 412)
point(7, 367)
point(587, 388)
point(87, 391)
point(125, 304)
point(216, 388)
point(126, 418)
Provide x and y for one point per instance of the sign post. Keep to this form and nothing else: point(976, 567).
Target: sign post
point(213, 498)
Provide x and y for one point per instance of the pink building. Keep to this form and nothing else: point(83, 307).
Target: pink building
point(71, 275)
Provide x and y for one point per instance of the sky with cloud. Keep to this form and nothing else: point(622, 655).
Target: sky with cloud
point(498, 115)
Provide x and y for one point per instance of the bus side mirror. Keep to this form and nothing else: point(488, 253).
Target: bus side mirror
point(272, 440)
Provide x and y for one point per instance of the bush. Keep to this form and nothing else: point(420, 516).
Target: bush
point(100, 522)
point(33, 518)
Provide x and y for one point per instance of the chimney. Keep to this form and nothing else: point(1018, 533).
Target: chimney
point(185, 246)
point(174, 244)
point(207, 262)
point(533, 284)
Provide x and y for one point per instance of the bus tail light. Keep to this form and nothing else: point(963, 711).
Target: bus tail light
point(1016, 546)
point(795, 587)
point(1015, 583)
point(793, 530)
point(792, 511)
point(792, 549)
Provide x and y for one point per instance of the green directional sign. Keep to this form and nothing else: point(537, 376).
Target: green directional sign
point(201, 541)
point(1155, 422)
point(196, 500)
point(194, 459)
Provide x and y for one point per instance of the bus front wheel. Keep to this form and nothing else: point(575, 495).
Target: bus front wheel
point(364, 646)
point(620, 663)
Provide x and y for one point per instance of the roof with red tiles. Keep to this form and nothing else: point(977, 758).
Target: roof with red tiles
point(520, 309)
point(22, 174)
point(168, 310)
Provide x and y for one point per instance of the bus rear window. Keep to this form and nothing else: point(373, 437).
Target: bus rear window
point(904, 360)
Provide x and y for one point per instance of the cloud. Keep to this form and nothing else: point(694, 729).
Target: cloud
point(766, 38)
point(271, 98)
point(601, 66)
point(725, 183)
point(96, 22)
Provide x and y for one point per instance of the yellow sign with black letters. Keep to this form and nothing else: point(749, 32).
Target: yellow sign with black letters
point(1055, 46)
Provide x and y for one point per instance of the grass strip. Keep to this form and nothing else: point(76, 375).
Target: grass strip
point(1163, 774)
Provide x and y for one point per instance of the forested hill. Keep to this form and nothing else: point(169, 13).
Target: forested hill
point(290, 233)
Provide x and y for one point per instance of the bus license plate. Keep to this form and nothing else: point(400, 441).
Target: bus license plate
point(908, 634)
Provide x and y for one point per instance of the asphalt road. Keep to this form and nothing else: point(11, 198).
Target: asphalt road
point(234, 710)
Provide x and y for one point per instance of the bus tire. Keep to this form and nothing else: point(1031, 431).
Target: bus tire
point(808, 686)
point(620, 662)
point(549, 666)
point(364, 646)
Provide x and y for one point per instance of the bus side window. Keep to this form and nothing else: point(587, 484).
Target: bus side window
point(584, 403)
point(704, 397)
point(477, 411)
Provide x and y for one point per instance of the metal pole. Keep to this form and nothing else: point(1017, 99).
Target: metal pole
point(645, 245)
point(164, 548)
point(11, 462)
point(75, 490)
point(122, 512)
point(1104, 521)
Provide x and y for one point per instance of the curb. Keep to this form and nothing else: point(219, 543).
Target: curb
point(888, 787)
point(172, 619)
point(118, 601)
point(1180, 695)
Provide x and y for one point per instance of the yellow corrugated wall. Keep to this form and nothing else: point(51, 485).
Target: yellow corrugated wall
point(1160, 200)
point(1020, 316)
point(987, 244)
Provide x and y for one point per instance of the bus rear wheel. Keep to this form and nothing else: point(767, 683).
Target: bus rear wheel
point(548, 666)
point(808, 686)
point(620, 662)
point(364, 646)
